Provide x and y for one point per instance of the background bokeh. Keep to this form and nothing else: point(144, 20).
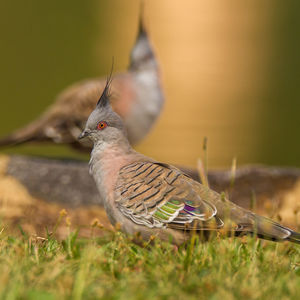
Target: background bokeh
point(230, 71)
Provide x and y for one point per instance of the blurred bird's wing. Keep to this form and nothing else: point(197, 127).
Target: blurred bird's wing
point(156, 195)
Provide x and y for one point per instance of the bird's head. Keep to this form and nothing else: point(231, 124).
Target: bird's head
point(103, 124)
point(142, 55)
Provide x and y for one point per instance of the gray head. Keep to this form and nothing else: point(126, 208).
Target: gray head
point(142, 55)
point(103, 124)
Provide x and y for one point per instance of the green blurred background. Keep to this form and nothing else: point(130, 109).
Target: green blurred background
point(230, 71)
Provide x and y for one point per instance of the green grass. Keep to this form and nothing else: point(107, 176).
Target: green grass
point(113, 267)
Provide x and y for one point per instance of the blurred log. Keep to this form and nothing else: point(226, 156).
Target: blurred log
point(55, 184)
point(68, 181)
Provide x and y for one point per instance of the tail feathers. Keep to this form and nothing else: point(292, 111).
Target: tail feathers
point(12, 140)
point(23, 135)
point(294, 237)
point(269, 229)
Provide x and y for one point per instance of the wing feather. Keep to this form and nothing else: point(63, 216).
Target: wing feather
point(157, 195)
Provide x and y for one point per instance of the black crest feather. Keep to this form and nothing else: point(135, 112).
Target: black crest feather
point(105, 96)
point(142, 31)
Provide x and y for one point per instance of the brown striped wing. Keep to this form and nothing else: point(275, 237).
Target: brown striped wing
point(158, 195)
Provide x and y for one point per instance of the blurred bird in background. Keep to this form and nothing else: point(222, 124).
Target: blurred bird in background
point(136, 96)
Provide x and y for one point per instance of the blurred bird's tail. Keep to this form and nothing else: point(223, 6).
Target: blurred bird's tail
point(20, 136)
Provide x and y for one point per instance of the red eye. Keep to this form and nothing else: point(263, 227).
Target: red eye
point(101, 125)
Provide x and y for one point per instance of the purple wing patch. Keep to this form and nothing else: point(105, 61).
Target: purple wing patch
point(188, 208)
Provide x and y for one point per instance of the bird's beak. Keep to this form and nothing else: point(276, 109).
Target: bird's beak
point(84, 134)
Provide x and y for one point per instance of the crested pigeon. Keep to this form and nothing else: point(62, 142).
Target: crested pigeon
point(156, 199)
point(137, 98)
